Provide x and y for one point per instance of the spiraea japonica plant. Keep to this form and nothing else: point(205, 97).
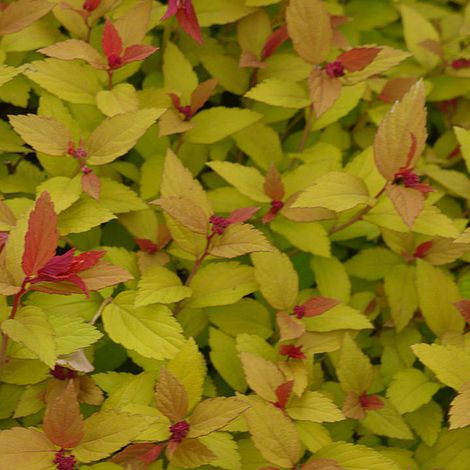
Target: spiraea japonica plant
point(233, 235)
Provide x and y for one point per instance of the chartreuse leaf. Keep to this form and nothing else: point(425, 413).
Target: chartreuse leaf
point(224, 357)
point(450, 364)
point(160, 286)
point(116, 135)
point(410, 389)
point(221, 284)
point(277, 92)
point(215, 124)
point(262, 376)
point(355, 457)
point(106, 432)
point(139, 390)
point(418, 29)
point(426, 422)
point(463, 137)
point(83, 215)
point(355, 372)
point(189, 367)
point(247, 180)
point(460, 408)
point(315, 407)
point(310, 237)
point(261, 143)
point(245, 316)
point(71, 81)
point(118, 198)
point(72, 332)
point(364, 265)
point(31, 328)
point(437, 293)
point(331, 278)
point(400, 288)
point(340, 317)
point(213, 414)
point(25, 449)
point(336, 191)
point(313, 435)
point(273, 434)
point(178, 73)
point(63, 191)
point(225, 449)
point(151, 330)
point(121, 99)
point(277, 278)
point(7, 73)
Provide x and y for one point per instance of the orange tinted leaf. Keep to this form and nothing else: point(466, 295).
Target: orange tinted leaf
point(104, 275)
point(358, 58)
point(324, 91)
point(289, 327)
point(214, 414)
point(42, 236)
point(25, 449)
point(20, 14)
point(201, 94)
point(318, 305)
point(63, 423)
point(75, 49)
point(463, 307)
point(396, 88)
point(408, 202)
point(273, 186)
point(308, 24)
point(171, 397)
point(191, 453)
point(394, 140)
point(91, 185)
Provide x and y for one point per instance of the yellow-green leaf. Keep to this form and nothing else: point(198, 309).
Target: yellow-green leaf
point(31, 328)
point(277, 278)
point(43, 134)
point(315, 407)
point(221, 284)
point(215, 124)
point(160, 286)
point(336, 191)
point(460, 408)
point(277, 92)
point(116, 135)
point(152, 331)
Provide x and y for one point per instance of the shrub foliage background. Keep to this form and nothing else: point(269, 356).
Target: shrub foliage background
point(232, 234)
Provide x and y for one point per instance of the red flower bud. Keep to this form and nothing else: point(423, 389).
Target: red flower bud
point(334, 69)
point(179, 431)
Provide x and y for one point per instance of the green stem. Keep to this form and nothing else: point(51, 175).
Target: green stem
point(14, 309)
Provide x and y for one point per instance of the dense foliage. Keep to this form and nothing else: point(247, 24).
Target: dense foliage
point(233, 234)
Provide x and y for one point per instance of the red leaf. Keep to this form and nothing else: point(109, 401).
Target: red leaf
point(283, 393)
point(58, 264)
point(91, 185)
point(463, 307)
point(137, 52)
point(3, 239)
point(358, 58)
point(146, 245)
point(171, 10)
point(421, 250)
point(318, 305)
point(292, 351)
point(371, 402)
point(187, 18)
point(242, 215)
point(42, 236)
point(274, 41)
point(112, 44)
